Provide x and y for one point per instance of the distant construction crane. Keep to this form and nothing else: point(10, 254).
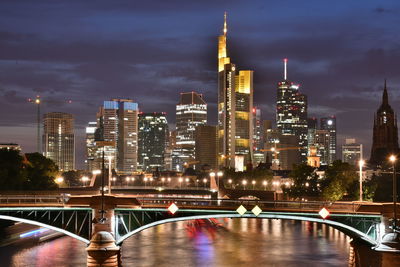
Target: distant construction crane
point(37, 102)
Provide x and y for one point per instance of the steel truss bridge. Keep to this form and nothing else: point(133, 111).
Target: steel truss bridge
point(350, 218)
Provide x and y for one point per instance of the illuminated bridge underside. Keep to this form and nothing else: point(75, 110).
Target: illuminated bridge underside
point(129, 221)
point(75, 222)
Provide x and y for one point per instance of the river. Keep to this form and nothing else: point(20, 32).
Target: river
point(226, 242)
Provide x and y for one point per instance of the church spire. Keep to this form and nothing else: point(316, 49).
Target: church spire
point(385, 100)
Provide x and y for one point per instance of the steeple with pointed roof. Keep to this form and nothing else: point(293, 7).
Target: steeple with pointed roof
point(385, 135)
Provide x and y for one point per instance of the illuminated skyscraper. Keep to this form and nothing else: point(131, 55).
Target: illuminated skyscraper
point(385, 135)
point(91, 147)
point(329, 124)
point(291, 112)
point(322, 144)
point(59, 139)
point(118, 126)
point(153, 140)
point(235, 104)
point(191, 111)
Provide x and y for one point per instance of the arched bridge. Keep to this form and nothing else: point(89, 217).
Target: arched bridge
point(352, 219)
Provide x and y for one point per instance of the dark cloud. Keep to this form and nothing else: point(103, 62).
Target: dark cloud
point(151, 51)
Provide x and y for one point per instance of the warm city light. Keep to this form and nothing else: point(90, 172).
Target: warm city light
point(392, 158)
point(361, 162)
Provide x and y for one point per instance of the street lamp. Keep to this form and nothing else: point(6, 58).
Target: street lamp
point(205, 182)
point(393, 159)
point(230, 182)
point(59, 180)
point(84, 180)
point(254, 183)
point(361, 164)
point(145, 181)
point(265, 185)
point(162, 181)
point(180, 182)
point(127, 180)
point(244, 182)
point(219, 175)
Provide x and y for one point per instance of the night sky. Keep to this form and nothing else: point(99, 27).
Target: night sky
point(89, 51)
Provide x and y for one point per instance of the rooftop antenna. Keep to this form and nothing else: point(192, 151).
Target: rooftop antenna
point(225, 26)
point(285, 60)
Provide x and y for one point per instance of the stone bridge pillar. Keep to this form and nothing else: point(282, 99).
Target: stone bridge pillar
point(102, 250)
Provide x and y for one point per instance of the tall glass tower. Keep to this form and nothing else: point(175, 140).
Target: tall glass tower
point(291, 112)
point(153, 140)
point(235, 104)
point(191, 111)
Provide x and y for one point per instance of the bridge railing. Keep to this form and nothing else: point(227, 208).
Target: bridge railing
point(34, 199)
point(265, 205)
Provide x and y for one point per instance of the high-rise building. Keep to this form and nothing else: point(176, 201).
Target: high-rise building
point(312, 126)
point(206, 147)
point(385, 135)
point(322, 145)
point(191, 111)
point(351, 151)
point(118, 134)
point(153, 140)
point(59, 139)
point(235, 104)
point(258, 142)
point(291, 112)
point(329, 124)
point(91, 148)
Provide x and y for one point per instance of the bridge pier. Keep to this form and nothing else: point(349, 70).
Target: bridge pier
point(102, 250)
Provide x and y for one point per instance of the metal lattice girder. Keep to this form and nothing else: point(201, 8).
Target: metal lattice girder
point(73, 220)
point(129, 221)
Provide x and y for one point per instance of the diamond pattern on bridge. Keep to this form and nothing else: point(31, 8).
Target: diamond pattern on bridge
point(173, 208)
point(324, 213)
point(241, 210)
point(256, 210)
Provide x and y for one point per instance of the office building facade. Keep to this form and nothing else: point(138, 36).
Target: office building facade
point(152, 141)
point(59, 139)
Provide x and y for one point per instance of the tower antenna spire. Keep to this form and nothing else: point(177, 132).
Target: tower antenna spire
point(285, 60)
point(225, 25)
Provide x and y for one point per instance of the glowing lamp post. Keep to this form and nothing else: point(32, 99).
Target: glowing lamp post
point(59, 180)
point(230, 182)
point(265, 185)
point(84, 180)
point(205, 182)
point(393, 160)
point(253, 183)
point(361, 164)
point(145, 182)
point(180, 182)
point(244, 182)
point(219, 175)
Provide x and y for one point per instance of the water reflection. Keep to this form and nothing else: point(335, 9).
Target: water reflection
point(223, 242)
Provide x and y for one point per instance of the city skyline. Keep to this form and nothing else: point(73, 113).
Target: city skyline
point(348, 62)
